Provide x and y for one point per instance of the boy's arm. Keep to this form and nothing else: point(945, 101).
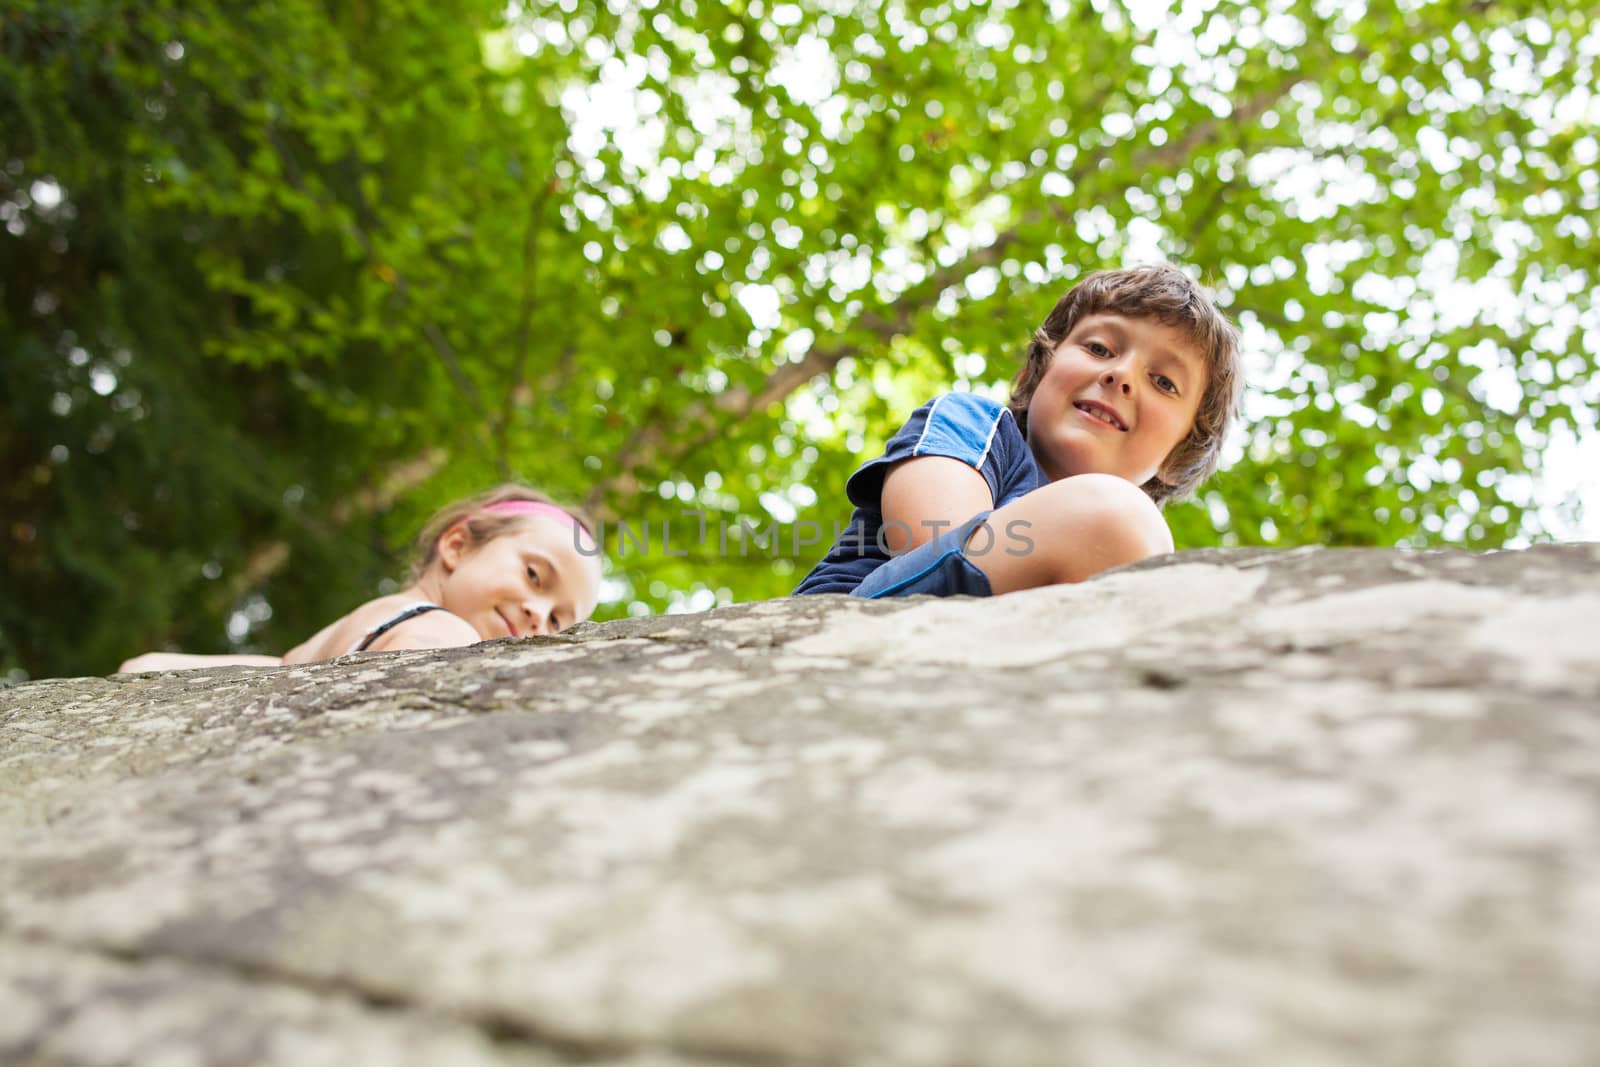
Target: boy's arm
point(929, 495)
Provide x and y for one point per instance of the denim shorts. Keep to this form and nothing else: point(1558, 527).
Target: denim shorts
point(938, 568)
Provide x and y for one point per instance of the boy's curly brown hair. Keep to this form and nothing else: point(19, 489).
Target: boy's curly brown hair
point(1164, 293)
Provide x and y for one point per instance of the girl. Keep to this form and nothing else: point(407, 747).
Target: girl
point(507, 563)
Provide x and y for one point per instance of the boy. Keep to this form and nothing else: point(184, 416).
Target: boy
point(1122, 405)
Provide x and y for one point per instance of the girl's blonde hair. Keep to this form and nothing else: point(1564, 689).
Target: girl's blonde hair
point(482, 528)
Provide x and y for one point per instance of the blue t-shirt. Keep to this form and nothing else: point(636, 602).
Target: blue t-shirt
point(974, 429)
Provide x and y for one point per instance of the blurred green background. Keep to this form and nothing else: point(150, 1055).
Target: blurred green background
point(277, 279)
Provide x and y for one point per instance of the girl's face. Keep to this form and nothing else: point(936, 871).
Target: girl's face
point(530, 580)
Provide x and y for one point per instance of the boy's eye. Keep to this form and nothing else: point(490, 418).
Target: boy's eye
point(1165, 384)
point(1098, 349)
point(533, 575)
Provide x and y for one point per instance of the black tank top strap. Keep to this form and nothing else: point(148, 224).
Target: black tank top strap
point(392, 621)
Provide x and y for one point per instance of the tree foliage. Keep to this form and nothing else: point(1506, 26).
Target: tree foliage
point(278, 279)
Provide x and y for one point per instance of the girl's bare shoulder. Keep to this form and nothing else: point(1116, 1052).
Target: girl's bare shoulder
point(433, 629)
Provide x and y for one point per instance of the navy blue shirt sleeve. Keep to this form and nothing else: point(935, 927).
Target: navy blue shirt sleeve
point(957, 425)
point(973, 429)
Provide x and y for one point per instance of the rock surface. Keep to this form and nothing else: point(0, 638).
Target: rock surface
point(1314, 807)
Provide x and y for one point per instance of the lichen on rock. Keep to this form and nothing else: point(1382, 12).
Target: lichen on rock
point(1232, 806)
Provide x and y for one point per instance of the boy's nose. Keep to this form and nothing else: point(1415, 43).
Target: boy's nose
point(1113, 379)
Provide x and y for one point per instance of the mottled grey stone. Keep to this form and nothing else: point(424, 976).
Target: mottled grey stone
point(1310, 807)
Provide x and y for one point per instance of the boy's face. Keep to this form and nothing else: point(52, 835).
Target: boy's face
point(1118, 396)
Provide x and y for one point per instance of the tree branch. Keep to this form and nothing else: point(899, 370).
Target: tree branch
point(701, 422)
point(447, 356)
point(402, 287)
point(267, 559)
point(519, 363)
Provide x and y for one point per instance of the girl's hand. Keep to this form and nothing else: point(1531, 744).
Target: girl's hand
point(183, 661)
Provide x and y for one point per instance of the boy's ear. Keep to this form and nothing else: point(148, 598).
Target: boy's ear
point(453, 544)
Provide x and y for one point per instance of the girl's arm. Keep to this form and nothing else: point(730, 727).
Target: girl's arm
point(183, 661)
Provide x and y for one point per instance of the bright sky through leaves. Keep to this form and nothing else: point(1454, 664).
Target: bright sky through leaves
point(1564, 497)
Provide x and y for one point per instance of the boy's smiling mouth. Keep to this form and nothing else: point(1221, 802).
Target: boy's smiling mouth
point(1101, 413)
point(510, 630)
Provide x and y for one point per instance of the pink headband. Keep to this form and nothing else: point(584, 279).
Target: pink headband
point(535, 507)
